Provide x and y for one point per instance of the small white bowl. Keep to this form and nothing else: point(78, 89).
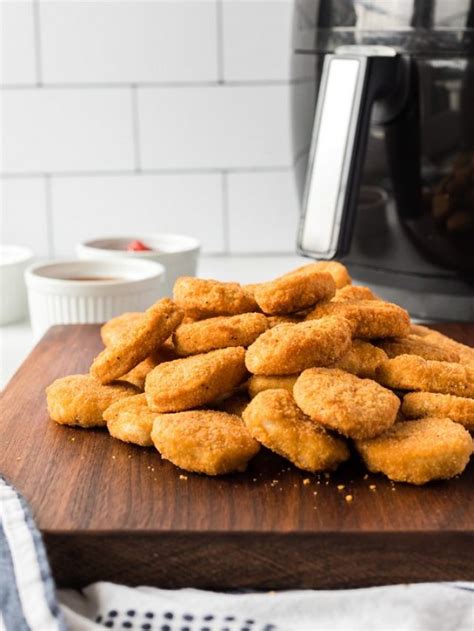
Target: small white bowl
point(178, 253)
point(123, 285)
point(13, 262)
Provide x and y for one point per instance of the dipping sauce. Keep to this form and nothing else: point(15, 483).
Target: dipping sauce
point(138, 246)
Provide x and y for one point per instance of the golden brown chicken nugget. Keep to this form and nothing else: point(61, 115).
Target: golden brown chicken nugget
point(138, 342)
point(465, 353)
point(290, 348)
point(114, 329)
point(337, 270)
point(259, 383)
point(369, 319)
point(416, 345)
point(194, 381)
point(234, 404)
point(204, 441)
point(294, 292)
point(362, 359)
point(82, 400)
point(131, 420)
point(410, 372)
point(274, 419)
point(137, 375)
point(354, 292)
point(276, 320)
point(201, 298)
point(354, 407)
point(418, 451)
point(220, 332)
point(421, 404)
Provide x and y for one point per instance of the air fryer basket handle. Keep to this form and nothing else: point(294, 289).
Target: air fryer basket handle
point(352, 79)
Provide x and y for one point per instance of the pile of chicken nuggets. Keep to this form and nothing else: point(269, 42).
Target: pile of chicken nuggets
point(306, 365)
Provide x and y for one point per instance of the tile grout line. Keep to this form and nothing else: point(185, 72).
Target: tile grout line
point(136, 129)
point(220, 42)
point(37, 40)
point(49, 214)
point(225, 212)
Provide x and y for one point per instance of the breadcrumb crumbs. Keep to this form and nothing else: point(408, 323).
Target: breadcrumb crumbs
point(372, 487)
point(340, 487)
point(183, 477)
point(306, 481)
point(349, 498)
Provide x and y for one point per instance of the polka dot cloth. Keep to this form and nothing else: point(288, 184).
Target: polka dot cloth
point(173, 621)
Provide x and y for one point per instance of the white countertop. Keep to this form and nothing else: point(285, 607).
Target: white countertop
point(16, 340)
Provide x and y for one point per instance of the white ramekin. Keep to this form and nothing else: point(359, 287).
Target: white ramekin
point(53, 299)
point(13, 262)
point(178, 253)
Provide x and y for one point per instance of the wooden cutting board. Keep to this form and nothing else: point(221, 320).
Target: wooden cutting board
point(110, 511)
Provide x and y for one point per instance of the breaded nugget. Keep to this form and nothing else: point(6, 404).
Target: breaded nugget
point(362, 359)
point(113, 330)
point(137, 375)
point(354, 292)
point(410, 372)
point(194, 381)
point(337, 270)
point(259, 383)
point(416, 345)
point(220, 332)
point(202, 298)
point(458, 409)
point(82, 400)
point(290, 348)
point(418, 451)
point(235, 404)
point(131, 420)
point(274, 419)
point(354, 407)
point(369, 319)
point(204, 441)
point(250, 291)
point(138, 342)
point(465, 353)
point(294, 292)
point(286, 319)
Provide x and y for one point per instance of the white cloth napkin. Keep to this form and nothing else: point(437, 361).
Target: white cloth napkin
point(421, 607)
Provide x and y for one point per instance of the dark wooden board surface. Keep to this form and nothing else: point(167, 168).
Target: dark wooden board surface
point(112, 511)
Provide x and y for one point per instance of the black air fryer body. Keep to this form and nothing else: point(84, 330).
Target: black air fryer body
point(388, 184)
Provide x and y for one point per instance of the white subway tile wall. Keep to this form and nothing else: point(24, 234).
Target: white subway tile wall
point(158, 115)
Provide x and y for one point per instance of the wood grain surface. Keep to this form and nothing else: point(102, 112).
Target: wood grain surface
point(111, 511)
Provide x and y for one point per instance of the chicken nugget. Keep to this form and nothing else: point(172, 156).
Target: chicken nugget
point(234, 404)
point(294, 292)
point(276, 320)
point(259, 383)
point(369, 319)
point(362, 359)
point(138, 342)
point(115, 328)
point(131, 420)
point(354, 407)
point(418, 451)
point(220, 332)
point(410, 372)
point(465, 353)
point(194, 381)
point(202, 298)
point(290, 348)
point(274, 419)
point(458, 409)
point(354, 292)
point(204, 441)
point(337, 270)
point(81, 400)
point(416, 345)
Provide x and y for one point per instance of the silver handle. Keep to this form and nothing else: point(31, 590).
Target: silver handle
point(351, 80)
